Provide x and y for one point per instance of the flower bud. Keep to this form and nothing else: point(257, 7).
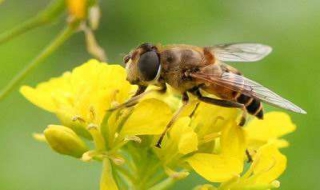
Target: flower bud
point(94, 17)
point(64, 141)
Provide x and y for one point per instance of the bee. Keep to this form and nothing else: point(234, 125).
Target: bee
point(194, 70)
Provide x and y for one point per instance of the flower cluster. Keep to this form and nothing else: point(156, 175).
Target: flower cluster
point(205, 139)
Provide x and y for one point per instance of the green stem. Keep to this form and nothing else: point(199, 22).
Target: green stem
point(125, 172)
point(149, 172)
point(165, 184)
point(57, 42)
point(97, 137)
point(107, 181)
point(156, 179)
point(21, 28)
point(51, 12)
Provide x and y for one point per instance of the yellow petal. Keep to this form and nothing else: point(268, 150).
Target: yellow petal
point(273, 126)
point(149, 117)
point(181, 139)
point(86, 92)
point(210, 119)
point(48, 95)
point(215, 168)
point(188, 143)
point(96, 85)
point(233, 141)
point(183, 135)
point(220, 168)
point(268, 164)
point(280, 143)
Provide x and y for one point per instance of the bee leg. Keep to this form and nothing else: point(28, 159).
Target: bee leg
point(194, 110)
point(222, 103)
point(163, 88)
point(249, 156)
point(134, 99)
point(185, 100)
point(243, 117)
point(225, 103)
point(141, 91)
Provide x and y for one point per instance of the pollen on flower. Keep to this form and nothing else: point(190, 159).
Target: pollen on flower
point(78, 118)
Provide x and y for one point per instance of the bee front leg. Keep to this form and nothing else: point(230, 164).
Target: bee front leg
point(185, 100)
point(134, 99)
point(141, 91)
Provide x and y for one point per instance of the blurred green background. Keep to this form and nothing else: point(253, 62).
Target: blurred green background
point(291, 27)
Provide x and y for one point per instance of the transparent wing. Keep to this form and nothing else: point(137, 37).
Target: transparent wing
point(241, 52)
point(250, 88)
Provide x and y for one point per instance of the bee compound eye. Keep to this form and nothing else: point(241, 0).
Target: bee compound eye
point(148, 65)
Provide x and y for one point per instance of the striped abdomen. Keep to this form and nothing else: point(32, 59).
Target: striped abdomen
point(253, 106)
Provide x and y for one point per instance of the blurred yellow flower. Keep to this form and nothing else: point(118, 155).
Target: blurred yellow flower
point(77, 8)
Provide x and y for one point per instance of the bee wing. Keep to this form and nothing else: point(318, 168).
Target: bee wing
point(241, 52)
point(250, 88)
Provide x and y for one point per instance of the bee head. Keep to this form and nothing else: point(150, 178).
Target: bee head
point(143, 65)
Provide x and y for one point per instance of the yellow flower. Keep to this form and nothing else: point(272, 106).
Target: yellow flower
point(148, 118)
point(82, 96)
point(228, 163)
point(217, 148)
point(208, 122)
point(77, 8)
point(271, 128)
point(209, 144)
point(267, 166)
point(180, 141)
point(205, 138)
point(81, 99)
